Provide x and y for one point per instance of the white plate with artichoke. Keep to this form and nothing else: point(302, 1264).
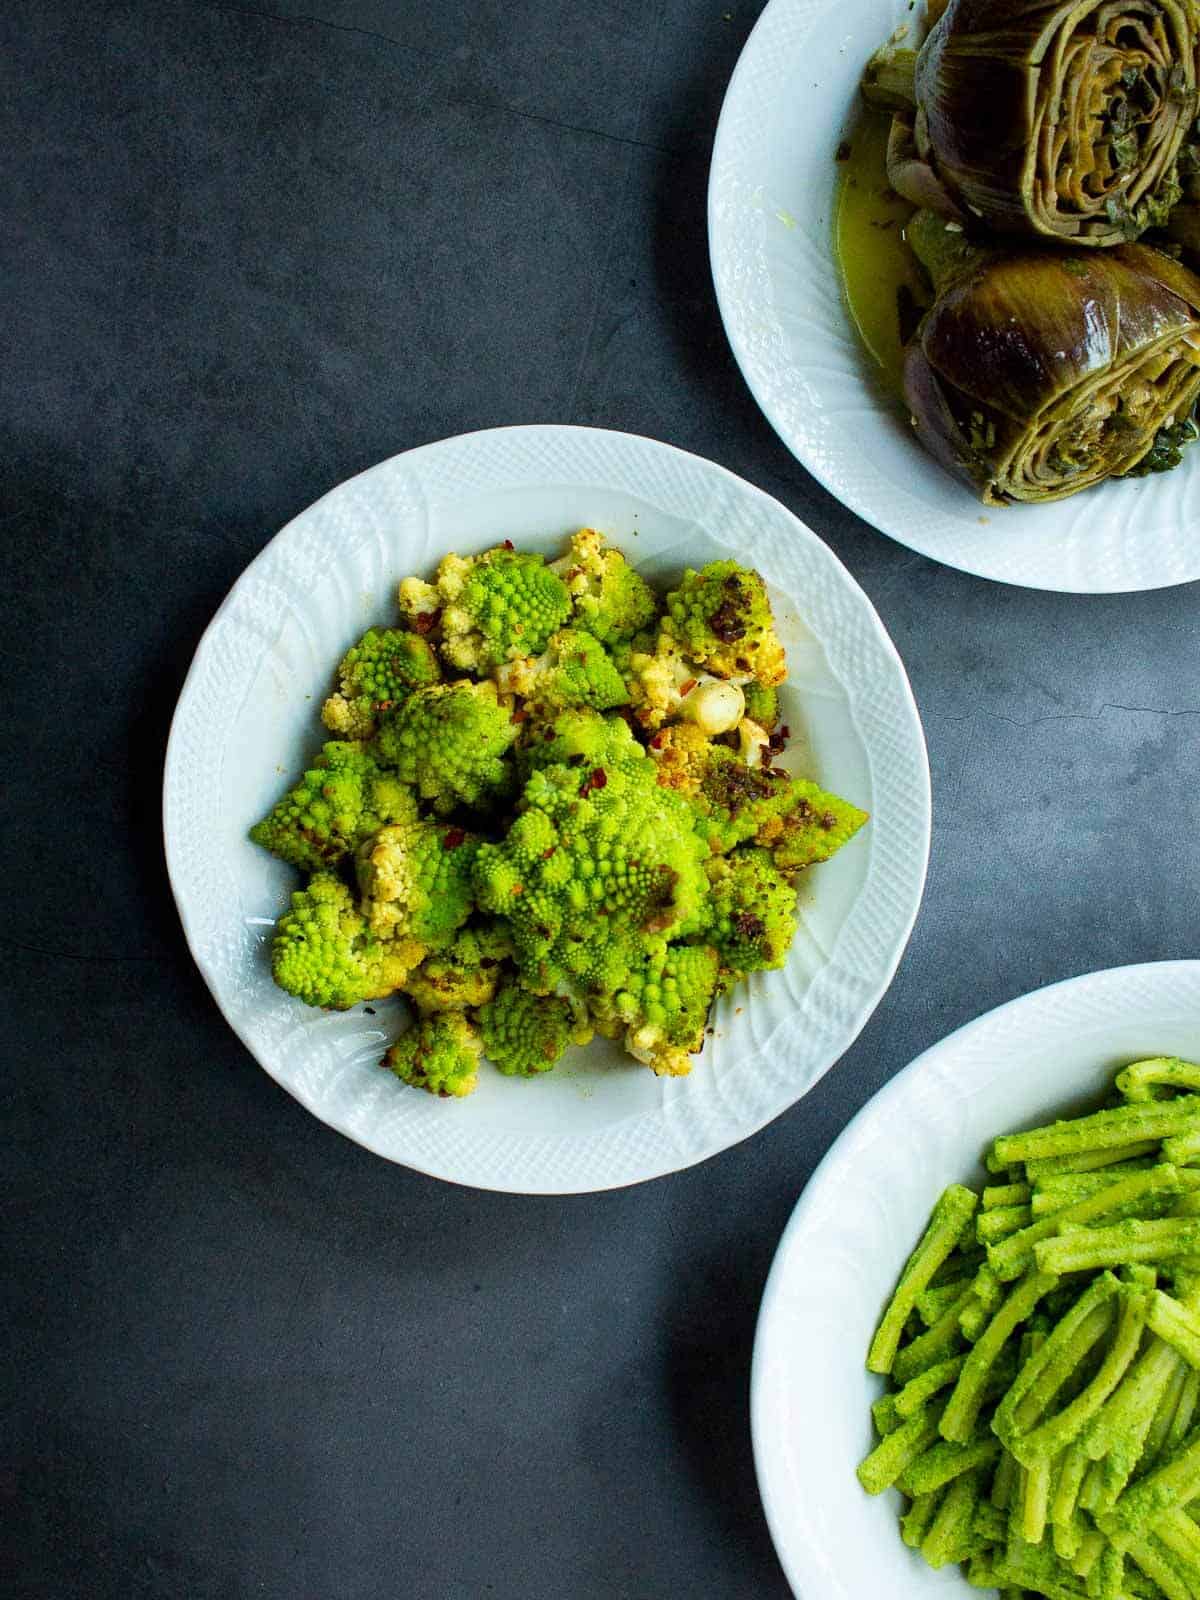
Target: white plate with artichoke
point(606, 907)
point(1058, 352)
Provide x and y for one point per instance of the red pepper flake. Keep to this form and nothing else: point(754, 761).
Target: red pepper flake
point(659, 740)
point(546, 854)
point(596, 779)
point(384, 705)
point(426, 621)
point(686, 688)
point(519, 716)
point(454, 838)
point(518, 888)
point(509, 545)
point(785, 732)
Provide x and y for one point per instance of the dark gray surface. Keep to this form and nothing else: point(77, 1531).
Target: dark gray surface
point(247, 255)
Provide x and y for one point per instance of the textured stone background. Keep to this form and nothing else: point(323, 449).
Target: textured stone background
point(249, 252)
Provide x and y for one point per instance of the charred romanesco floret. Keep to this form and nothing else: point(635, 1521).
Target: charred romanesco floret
point(325, 954)
point(343, 797)
point(814, 826)
point(449, 742)
point(575, 670)
point(375, 675)
point(439, 1053)
point(754, 911)
point(497, 606)
point(599, 863)
point(582, 738)
point(662, 1007)
point(465, 973)
point(739, 800)
point(524, 1033)
point(720, 617)
point(608, 597)
point(415, 881)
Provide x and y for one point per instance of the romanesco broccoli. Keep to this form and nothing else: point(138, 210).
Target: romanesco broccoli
point(738, 800)
point(582, 738)
point(599, 863)
point(525, 1034)
point(415, 881)
point(325, 954)
point(662, 1007)
point(814, 826)
point(465, 973)
point(609, 598)
point(575, 670)
point(497, 606)
point(376, 674)
point(449, 742)
point(343, 797)
point(439, 1053)
point(754, 911)
point(762, 704)
point(721, 618)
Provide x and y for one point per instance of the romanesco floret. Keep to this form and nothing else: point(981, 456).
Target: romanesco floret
point(608, 596)
point(376, 674)
point(415, 881)
point(325, 954)
point(582, 738)
point(814, 826)
point(664, 686)
point(754, 911)
point(598, 864)
point(449, 742)
point(343, 797)
point(439, 1054)
point(721, 618)
point(575, 670)
point(525, 1033)
point(663, 1006)
point(738, 800)
point(496, 606)
point(465, 973)
point(762, 704)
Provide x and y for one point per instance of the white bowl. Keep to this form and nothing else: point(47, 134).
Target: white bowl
point(248, 719)
point(1049, 1053)
point(792, 98)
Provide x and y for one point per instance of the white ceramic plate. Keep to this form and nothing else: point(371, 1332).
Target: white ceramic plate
point(792, 99)
point(1053, 1052)
point(248, 718)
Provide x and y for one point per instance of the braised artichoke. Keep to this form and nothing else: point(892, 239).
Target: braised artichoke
point(1043, 117)
point(1038, 373)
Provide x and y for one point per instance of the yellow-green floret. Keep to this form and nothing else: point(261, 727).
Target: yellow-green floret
point(415, 881)
point(762, 704)
point(721, 618)
point(582, 738)
point(343, 797)
point(575, 670)
point(739, 801)
point(754, 911)
point(439, 1054)
point(465, 973)
point(449, 742)
point(525, 1034)
point(662, 1006)
point(608, 597)
point(496, 606)
point(375, 675)
point(600, 863)
point(325, 954)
